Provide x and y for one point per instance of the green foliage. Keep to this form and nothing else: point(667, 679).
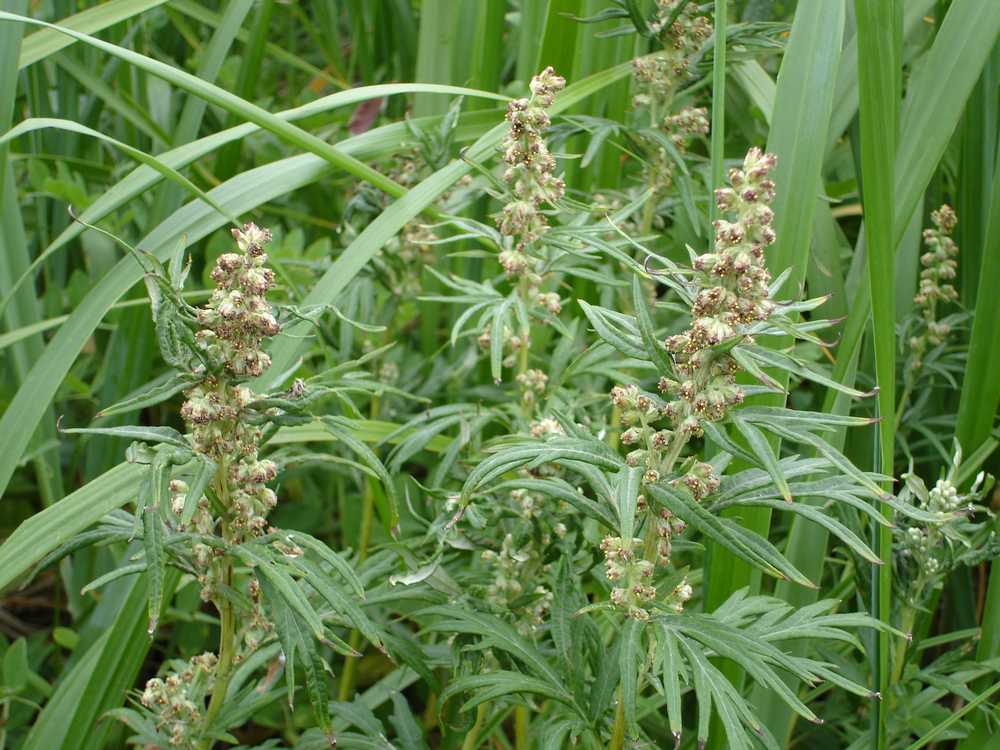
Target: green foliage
point(426, 524)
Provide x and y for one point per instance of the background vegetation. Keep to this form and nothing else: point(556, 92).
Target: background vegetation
point(365, 134)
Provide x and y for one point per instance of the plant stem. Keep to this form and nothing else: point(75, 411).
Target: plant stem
point(227, 643)
point(364, 537)
point(618, 733)
point(906, 625)
point(227, 622)
point(521, 740)
point(472, 738)
point(907, 392)
point(522, 360)
point(718, 108)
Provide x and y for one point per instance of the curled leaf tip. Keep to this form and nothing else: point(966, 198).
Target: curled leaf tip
point(832, 343)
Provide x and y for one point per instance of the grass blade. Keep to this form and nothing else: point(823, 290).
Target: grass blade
point(802, 109)
point(878, 71)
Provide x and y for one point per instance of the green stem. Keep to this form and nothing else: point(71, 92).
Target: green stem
point(472, 738)
point(227, 622)
point(364, 538)
point(906, 625)
point(227, 647)
point(521, 740)
point(649, 210)
point(4, 717)
point(903, 399)
point(618, 732)
point(522, 360)
point(718, 107)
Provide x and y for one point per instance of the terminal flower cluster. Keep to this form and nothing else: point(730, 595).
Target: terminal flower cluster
point(926, 543)
point(530, 172)
point(731, 292)
point(236, 322)
point(940, 267)
point(658, 77)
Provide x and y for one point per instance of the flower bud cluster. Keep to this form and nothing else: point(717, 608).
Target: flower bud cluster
point(680, 128)
point(944, 497)
point(680, 595)
point(178, 495)
point(690, 121)
point(238, 316)
point(928, 543)
point(546, 426)
point(638, 413)
point(700, 480)
point(236, 321)
point(257, 627)
point(658, 77)
point(509, 566)
point(731, 293)
point(530, 170)
point(631, 574)
point(532, 384)
point(512, 344)
point(940, 268)
point(176, 702)
point(667, 525)
point(415, 249)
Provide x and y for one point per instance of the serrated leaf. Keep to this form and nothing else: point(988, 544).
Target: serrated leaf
point(616, 330)
point(341, 602)
point(205, 471)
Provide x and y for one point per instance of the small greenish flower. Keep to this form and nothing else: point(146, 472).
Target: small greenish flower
point(940, 267)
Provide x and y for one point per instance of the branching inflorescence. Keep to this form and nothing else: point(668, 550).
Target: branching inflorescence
point(530, 172)
point(657, 80)
point(236, 321)
point(730, 292)
point(531, 185)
